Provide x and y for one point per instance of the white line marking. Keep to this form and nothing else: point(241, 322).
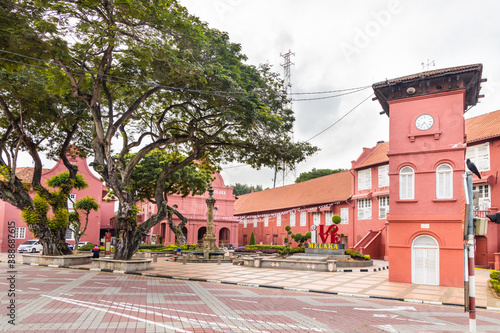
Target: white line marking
point(137, 288)
point(80, 303)
point(107, 284)
point(240, 300)
point(320, 310)
point(387, 328)
point(33, 288)
point(395, 308)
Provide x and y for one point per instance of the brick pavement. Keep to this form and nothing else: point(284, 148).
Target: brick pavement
point(374, 283)
point(73, 300)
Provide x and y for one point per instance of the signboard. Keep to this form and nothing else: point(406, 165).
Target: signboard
point(108, 244)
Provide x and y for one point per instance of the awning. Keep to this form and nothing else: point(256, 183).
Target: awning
point(367, 195)
point(380, 193)
point(490, 180)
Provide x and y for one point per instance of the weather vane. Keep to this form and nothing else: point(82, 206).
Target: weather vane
point(429, 63)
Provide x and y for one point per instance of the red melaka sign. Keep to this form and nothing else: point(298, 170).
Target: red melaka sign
point(330, 232)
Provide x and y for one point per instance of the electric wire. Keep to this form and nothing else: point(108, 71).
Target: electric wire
point(117, 79)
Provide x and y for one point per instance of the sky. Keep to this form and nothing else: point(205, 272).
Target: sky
point(348, 44)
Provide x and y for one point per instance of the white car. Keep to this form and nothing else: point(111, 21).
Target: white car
point(32, 246)
point(80, 244)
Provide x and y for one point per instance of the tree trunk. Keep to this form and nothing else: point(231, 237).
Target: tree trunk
point(177, 230)
point(128, 243)
point(53, 241)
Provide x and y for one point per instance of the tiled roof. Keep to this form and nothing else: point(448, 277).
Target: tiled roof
point(323, 190)
point(378, 155)
point(430, 74)
point(25, 174)
point(483, 127)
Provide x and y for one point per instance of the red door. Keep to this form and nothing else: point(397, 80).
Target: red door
point(481, 254)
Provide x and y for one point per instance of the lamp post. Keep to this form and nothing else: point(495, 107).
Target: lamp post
point(209, 239)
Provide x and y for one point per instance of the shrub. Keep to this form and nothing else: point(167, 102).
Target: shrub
point(336, 219)
point(252, 239)
point(86, 247)
point(494, 275)
point(367, 257)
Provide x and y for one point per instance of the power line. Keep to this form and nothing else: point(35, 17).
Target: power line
point(345, 115)
point(327, 97)
point(329, 91)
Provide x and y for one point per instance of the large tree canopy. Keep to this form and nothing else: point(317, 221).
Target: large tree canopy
point(315, 173)
point(151, 76)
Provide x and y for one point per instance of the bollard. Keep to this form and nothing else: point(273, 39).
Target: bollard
point(155, 258)
point(219, 260)
point(184, 260)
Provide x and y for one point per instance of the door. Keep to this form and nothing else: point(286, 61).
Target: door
point(481, 254)
point(425, 261)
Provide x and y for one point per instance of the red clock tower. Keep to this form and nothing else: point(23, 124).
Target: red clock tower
point(426, 164)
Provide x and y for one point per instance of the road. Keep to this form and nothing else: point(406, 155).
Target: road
point(66, 300)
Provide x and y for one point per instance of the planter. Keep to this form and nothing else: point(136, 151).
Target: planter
point(131, 265)
point(70, 260)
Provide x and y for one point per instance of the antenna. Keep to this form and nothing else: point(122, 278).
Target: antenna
point(428, 64)
point(288, 86)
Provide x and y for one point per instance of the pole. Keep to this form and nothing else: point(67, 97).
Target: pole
point(470, 250)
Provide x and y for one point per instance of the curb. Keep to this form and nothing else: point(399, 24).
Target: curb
point(324, 292)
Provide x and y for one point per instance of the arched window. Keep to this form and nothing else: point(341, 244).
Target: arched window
point(406, 183)
point(444, 181)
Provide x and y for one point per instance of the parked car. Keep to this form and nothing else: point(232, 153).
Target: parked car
point(70, 246)
point(32, 245)
point(80, 244)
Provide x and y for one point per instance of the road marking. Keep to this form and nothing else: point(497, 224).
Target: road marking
point(387, 328)
point(281, 325)
point(395, 316)
point(240, 300)
point(395, 308)
point(320, 310)
point(81, 303)
point(137, 288)
point(102, 283)
point(33, 288)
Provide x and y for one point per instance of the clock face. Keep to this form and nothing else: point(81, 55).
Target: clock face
point(424, 122)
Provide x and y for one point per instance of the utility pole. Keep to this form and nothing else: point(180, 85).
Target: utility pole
point(288, 86)
point(469, 244)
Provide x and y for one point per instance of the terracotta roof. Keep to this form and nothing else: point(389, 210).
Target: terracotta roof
point(430, 74)
point(378, 156)
point(25, 174)
point(323, 190)
point(483, 127)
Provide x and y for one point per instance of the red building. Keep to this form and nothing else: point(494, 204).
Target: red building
point(406, 197)
point(266, 213)
point(97, 220)
point(194, 208)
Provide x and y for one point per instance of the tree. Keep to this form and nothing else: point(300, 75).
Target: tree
point(252, 239)
point(86, 205)
point(316, 173)
point(193, 179)
point(151, 76)
point(37, 116)
point(240, 189)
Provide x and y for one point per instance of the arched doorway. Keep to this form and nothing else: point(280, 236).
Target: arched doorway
point(425, 260)
point(201, 232)
point(224, 237)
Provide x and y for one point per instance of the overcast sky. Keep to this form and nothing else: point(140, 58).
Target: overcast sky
point(347, 44)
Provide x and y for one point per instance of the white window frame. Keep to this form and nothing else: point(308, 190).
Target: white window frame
point(316, 218)
point(303, 219)
point(19, 233)
point(484, 196)
point(266, 221)
point(278, 220)
point(383, 176)
point(255, 222)
point(71, 201)
point(364, 209)
point(383, 207)
point(71, 235)
point(245, 222)
point(444, 181)
point(292, 219)
point(344, 215)
point(479, 155)
point(364, 179)
point(328, 218)
point(407, 183)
